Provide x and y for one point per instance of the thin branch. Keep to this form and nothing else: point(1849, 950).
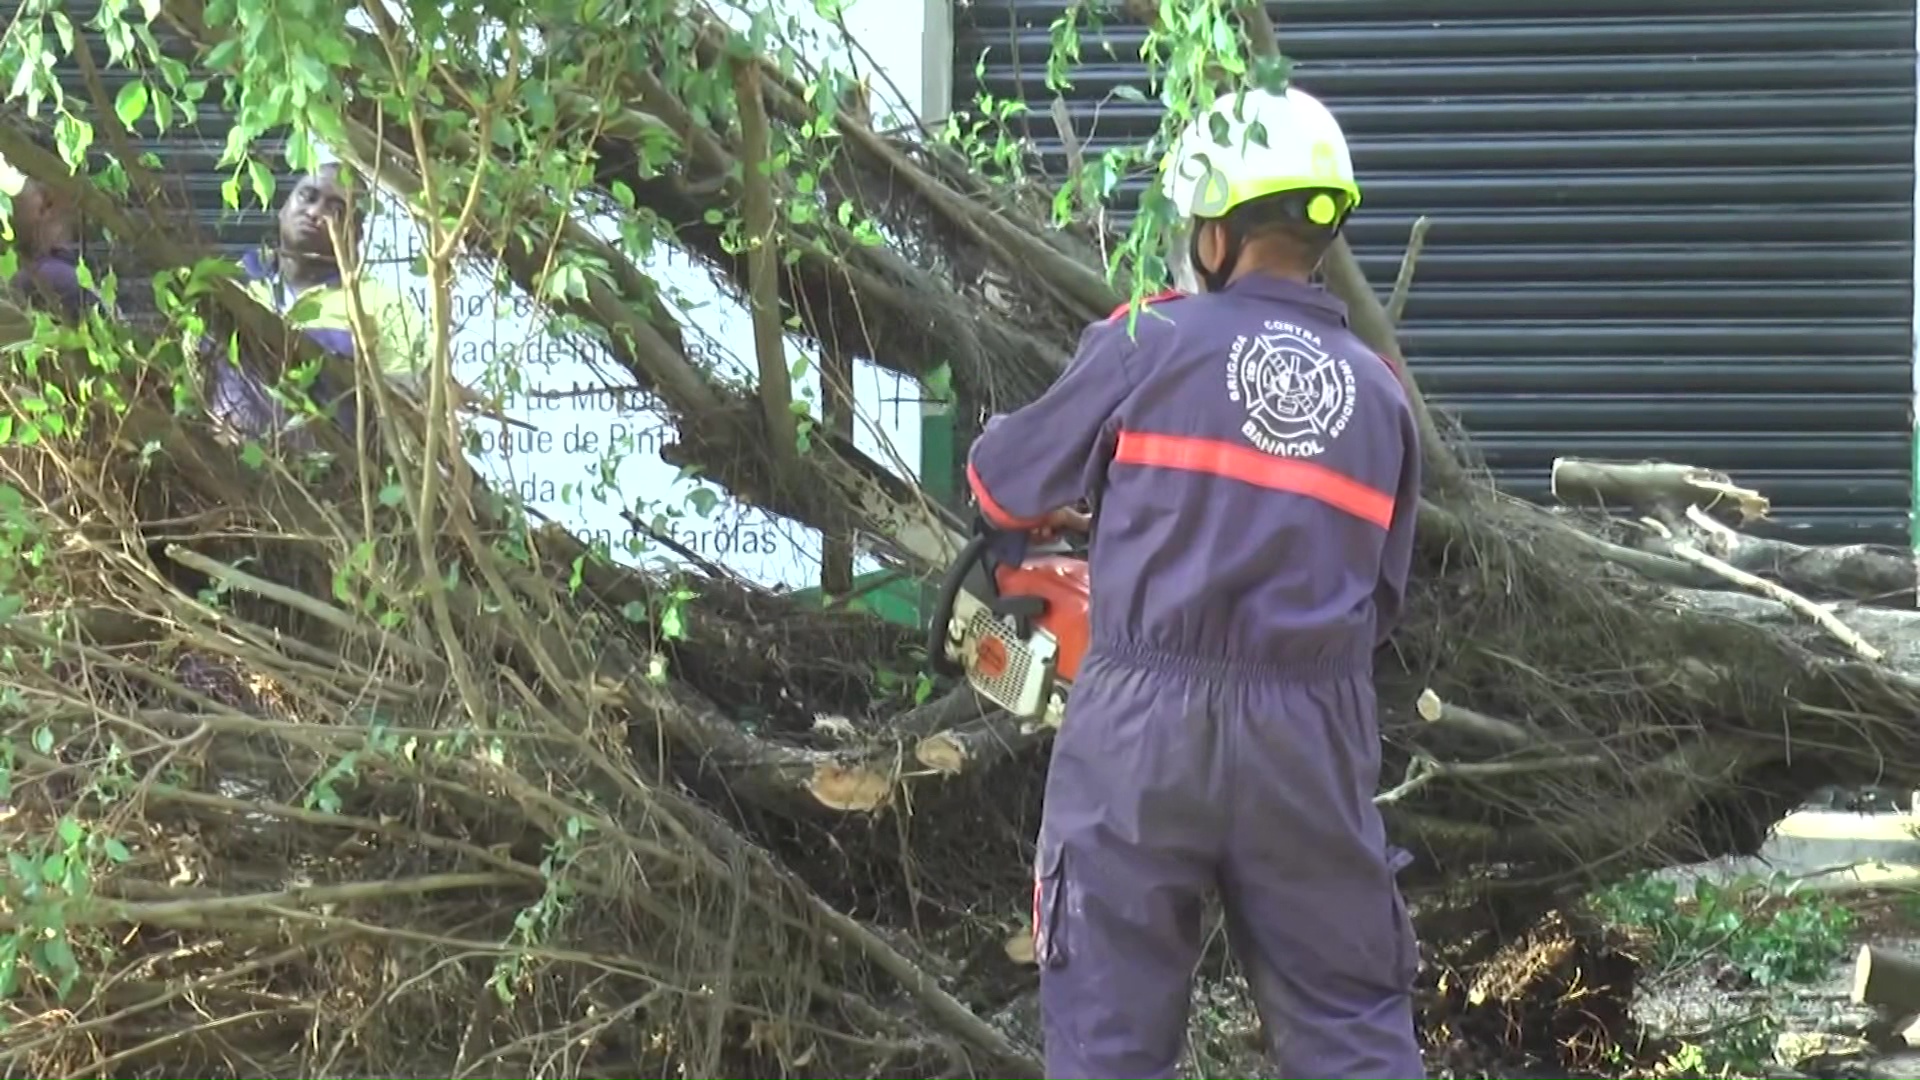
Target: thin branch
point(1063, 124)
point(301, 602)
point(1403, 284)
point(204, 911)
point(763, 265)
point(1434, 710)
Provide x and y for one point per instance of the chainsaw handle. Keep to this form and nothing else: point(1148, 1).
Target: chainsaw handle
point(963, 565)
point(987, 547)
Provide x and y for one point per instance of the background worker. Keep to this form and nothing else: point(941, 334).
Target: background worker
point(302, 275)
point(46, 248)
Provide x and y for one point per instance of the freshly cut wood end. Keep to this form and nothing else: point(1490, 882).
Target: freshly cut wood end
point(855, 789)
point(1429, 706)
point(1862, 974)
point(1751, 505)
point(1907, 1032)
point(942, 753)
point(1020, 947)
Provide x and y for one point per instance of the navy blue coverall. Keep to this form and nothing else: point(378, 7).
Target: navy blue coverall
point(1256, 473)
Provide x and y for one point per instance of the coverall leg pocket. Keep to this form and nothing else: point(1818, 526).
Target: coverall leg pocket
point(1049, 906)
point(1407, 943)
point(1406, 967)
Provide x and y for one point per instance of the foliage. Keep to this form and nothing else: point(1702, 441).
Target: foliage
point(328, 739)
point(1769, 942)
point(1738, 1049)
point(1194, 53)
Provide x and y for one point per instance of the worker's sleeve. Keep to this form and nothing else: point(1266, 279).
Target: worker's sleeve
point(1054, 452)
point(1396, 562)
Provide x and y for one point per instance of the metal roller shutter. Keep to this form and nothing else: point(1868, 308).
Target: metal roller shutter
point(1681, 231)
point(184, 158)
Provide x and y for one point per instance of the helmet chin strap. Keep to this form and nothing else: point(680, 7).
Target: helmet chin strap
point(1215, 280)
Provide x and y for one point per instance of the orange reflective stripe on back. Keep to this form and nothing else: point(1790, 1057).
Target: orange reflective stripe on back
point(1170, 294)
point(1249, 466)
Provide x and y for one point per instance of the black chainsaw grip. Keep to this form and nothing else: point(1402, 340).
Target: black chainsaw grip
point(942, 612)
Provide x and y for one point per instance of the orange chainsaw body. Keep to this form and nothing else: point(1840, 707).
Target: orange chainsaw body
point(1017, 632)
point(1060, 581)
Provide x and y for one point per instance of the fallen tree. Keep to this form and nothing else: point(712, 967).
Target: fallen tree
point(346, 764)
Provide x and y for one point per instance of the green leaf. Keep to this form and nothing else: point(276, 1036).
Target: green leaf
point(313, 74)
point(703, 500)
point(392, 495)
point(503, 133)
point(73, 135)
point(252, 456)
point(117, 851)
point(262, 179)
point(131, 102)
point(70, 831)
point(59, 955)
point(43, 739)
point(634, 611)
point(305, 309)
point(1129, 93)
point(673, 624)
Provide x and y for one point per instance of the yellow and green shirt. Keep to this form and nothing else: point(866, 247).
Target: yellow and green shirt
point(323, 315)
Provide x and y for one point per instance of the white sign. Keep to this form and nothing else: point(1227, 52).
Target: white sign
point(592, 463)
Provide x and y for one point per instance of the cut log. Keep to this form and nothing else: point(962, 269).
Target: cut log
point(1435, 711)
point(760, 770)
point(1906, 1031)
point(1870, 573)
point(1655, 487)
point(992, 738)
point(1819, 614)
point(1886, 979)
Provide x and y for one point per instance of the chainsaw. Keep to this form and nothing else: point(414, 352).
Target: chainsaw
point(1011, 618)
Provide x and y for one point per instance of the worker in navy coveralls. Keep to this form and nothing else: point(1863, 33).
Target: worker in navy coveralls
point(1255, 470)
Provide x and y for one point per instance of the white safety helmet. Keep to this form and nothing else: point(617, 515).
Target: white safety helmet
point(1249, 145)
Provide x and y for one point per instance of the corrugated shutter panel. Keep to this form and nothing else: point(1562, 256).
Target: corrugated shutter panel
point(1668, 230)
point(187, 154)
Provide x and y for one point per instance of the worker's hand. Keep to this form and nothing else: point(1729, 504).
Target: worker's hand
point(1065, 519)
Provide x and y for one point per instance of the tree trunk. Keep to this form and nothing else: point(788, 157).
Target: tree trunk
point(406, 783)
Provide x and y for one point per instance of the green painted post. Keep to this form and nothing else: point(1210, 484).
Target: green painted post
point(939, 465)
